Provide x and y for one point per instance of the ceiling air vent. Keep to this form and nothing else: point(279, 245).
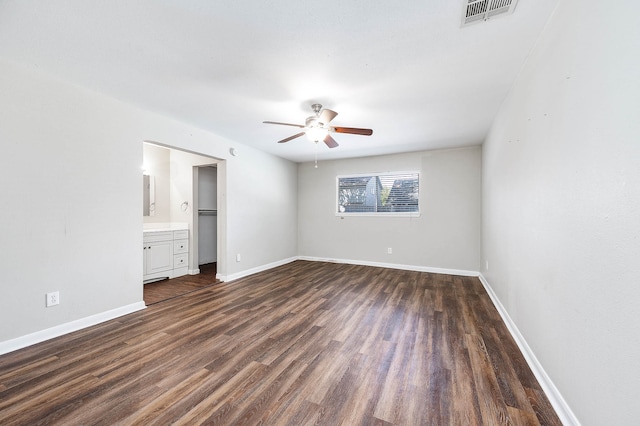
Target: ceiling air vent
point(481, 10)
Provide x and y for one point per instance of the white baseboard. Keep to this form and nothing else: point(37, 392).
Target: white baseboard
point(242, 274)
point(59, 330)
point(461, 272)
point(553, 394)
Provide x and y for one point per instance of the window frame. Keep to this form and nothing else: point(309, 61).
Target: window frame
point(376, 213)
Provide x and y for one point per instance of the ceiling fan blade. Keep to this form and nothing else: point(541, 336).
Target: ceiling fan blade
point(353, 130)
point(326, 115)
point(291, 137)
point(283, 124)
point(331, 142)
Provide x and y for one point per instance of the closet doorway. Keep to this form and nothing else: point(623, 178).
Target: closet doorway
point(207, 226)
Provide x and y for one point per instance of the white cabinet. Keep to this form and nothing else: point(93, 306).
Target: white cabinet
point(165, 254)
point(180, 253)
point(159, 257)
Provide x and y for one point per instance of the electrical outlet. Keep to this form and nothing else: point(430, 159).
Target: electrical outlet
point(390, 250)
point(238, 257)
point(53, 298)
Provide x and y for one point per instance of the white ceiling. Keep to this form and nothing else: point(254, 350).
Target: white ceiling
point(405, 68)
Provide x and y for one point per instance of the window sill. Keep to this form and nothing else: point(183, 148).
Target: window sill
point(385, 214)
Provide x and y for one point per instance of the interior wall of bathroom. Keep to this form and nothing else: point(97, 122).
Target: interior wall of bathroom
point(183, 195)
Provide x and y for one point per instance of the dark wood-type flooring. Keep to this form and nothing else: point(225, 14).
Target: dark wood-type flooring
point(168, 289)
point(305, 343)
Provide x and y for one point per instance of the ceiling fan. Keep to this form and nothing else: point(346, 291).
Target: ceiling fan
point(317, 127)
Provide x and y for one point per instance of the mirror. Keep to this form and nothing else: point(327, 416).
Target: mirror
point(148, 195)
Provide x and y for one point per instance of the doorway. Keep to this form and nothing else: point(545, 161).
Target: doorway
point(207, 227)
point(189, 191)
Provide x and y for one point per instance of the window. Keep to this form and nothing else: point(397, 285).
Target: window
point(394, 194)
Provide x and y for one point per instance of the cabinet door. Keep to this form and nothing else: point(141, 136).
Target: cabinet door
point(159, 257)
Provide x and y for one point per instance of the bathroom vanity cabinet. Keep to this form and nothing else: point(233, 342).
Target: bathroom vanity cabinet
point(165, 254)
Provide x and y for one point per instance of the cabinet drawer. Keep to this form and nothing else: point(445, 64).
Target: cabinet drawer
point(149, 237)
point(180, 260)
point(180, 246)
point(181, 235)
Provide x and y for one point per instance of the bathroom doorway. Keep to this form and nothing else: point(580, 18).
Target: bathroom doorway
point(189, 193)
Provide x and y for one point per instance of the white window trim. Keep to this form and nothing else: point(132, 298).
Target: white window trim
point(378, 214)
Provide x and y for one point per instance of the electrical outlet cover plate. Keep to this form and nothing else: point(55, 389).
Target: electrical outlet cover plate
point(53, 298)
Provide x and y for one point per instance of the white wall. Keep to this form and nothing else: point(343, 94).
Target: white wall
point(561, 216)
point(445, 236)
point(70, 177)
point(262, 210)
point(72, 222)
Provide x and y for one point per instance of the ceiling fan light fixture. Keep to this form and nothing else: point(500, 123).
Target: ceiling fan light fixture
point(316, 133)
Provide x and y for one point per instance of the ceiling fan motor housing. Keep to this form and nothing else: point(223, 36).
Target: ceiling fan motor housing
point(313, 122)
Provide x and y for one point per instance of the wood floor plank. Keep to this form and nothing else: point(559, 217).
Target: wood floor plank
point(305, 343)
point(166, 399)
point(159, 291)
point(492, 406)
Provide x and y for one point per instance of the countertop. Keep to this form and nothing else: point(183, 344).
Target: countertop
point(160, 227)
